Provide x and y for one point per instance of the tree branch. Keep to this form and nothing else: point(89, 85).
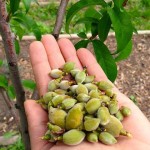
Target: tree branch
point(14, 73)
point(10, 106)
point(60, 17)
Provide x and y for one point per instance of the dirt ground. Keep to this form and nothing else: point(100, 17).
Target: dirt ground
point(133, 76)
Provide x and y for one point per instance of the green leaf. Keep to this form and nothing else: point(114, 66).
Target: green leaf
point(82, 35)
point(94, 29)
point(3, 81)
point(86, 20)
point(93, 14)
point(27, 4)
point(118, 3)
point(1, 62)
point(11, 92)
point(29, 84)
point(105, 59)
point(36, 30)
point(122, 26)
point(125, 53)
point(23, 19)
point(29, 23)
point(14, 5)
point(79, 6)
point(104, 26)
point(17, 46)
point(81, 44)
point(18, 30)
point(135, 30)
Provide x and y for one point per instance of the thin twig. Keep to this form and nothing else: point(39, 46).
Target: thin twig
point(60, 17)
point(8, 41)
point(10, 106)
point(92, 37)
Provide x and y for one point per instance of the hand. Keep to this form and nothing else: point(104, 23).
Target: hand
point(49, 54)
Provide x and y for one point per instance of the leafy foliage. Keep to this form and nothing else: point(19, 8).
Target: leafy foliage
point(16, 146)
point(20, 21)
point(82, 43)
point(109, 16)
point(122, 26)
point(3, 81)
point(45, 16)
point(1, 62)
point(29, 84)
point(14, 5)
point(105, 59)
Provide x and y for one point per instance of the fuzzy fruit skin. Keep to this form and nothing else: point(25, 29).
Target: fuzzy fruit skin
point(83, 97)
point(119, 116)
point(91, 86)
point(57, 100)
point(104, 85)
point(52, 85)
point(74, 117)
point(56, 73)
point(109, 92)
point(80, 77)
point(104, 98)
point(92, 137)
point(74, 72)
point(104, 115)
point(64, 85)
point(107, 138)
point(68, 103)
point(81, 89)
point(92, 105)
point(68, 67)
point(125, 111)
point(73, 137)
point(48, 96)
point(89, 79)
point(57, 116)
point(94, 94)
point(114, 126)
point(91, 124)
point(113, 107)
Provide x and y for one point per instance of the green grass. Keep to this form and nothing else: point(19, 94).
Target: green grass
point(139, 11)
point(17, 146)
point(45, 16)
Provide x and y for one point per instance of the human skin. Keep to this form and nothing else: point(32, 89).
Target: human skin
point(49, 54)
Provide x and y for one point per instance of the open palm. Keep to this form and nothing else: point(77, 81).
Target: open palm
point(49, 54)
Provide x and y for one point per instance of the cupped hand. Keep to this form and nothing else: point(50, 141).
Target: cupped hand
point(49, 54)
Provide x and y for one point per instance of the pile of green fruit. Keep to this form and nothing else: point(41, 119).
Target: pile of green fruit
point(80, 108)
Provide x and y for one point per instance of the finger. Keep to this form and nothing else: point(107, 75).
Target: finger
point(40, 66)
point(68, 51)
point(55, 57)
point(88, 60)
point(37, 123)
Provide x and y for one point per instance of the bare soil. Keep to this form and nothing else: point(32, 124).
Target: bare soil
point(133, 76)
